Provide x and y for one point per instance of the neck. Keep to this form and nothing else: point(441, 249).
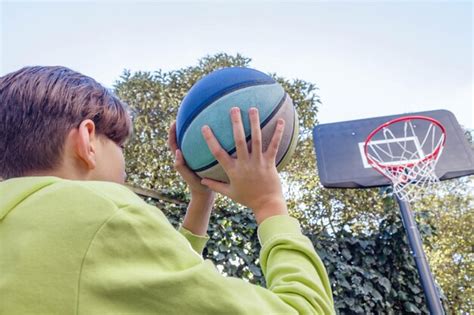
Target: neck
point(67, 170)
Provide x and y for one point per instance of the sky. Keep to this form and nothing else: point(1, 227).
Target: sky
point(367, 58)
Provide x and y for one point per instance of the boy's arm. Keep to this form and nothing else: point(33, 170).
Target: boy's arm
point(198, 213)
point(293, 270)
point(137, 263)
point(196, 220)
point(199, 209)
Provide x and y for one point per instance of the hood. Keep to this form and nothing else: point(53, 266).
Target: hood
point(15, 190)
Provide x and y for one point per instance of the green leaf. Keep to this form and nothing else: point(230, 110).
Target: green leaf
point(385, 283)
point(220, 257)
point(410, 307)
point(346, 253)
point(414, 288)
point(376, 294)
point(255, 270)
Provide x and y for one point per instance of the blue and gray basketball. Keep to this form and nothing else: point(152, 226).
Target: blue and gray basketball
point(209, 102)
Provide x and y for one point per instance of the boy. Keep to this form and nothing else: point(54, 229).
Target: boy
point(75, 241)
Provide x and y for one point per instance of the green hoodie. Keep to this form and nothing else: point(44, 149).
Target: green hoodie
point(78, 247)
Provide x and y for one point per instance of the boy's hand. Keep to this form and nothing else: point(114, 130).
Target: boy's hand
point(254, 180)
point(199, 209)
point(193, 180)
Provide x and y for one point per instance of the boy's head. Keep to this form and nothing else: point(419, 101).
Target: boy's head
point(55, 121)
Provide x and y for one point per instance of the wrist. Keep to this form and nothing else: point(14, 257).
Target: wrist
point(269, 209)
point(207, 195)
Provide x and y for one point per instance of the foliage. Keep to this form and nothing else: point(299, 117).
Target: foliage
point(357, 233)
point(449, 247)
point(376, 273)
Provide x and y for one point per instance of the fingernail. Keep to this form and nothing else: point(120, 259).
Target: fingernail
point(281, 121)
point(235, 110)
point(253, 110)
point(205, 128)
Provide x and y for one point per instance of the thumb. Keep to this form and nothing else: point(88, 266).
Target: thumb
point(216, 186)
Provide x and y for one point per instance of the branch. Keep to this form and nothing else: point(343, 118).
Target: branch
point(155, 195)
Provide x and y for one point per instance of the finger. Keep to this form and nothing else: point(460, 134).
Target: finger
point(239, 134)
point(256, 133)
point(276, 139)
point(172, 144)
point(185, 172)
point(214, 146)
point(216, 186)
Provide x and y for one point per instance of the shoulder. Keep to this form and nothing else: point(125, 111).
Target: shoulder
point(119, 195)
point(104, 202)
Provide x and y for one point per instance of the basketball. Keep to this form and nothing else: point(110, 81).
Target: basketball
point(209, 101)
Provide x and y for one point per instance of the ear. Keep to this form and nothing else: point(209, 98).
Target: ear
point(85, 143)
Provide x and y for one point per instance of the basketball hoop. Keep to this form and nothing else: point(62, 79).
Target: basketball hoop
point(406, 150)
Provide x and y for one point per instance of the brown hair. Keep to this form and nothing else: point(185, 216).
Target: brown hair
point(38, 108)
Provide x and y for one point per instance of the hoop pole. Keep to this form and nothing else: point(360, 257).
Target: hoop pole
point(432, 296)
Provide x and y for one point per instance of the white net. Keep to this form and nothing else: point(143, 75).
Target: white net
point(406, 151)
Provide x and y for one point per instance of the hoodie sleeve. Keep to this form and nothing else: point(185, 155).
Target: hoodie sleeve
point(197, 242)
point(138, 264)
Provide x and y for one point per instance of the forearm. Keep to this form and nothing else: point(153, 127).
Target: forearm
point(292, 268)
point(198, 213)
